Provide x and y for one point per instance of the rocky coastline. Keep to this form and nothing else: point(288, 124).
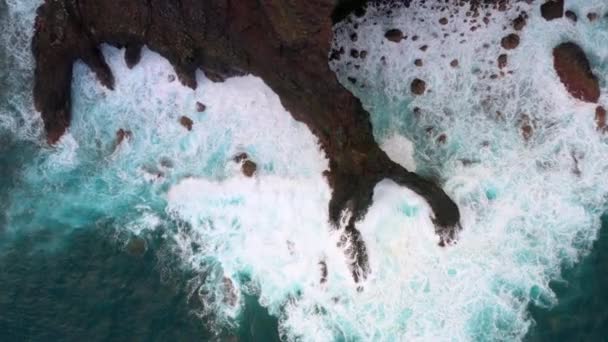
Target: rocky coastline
point(286, 43)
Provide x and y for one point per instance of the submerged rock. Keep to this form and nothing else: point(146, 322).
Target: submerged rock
point(552, 9)
point(573, 69)
point(571, 15)
point(136, 246)
point(123, 134)
point(394, 35)
point(592, 16)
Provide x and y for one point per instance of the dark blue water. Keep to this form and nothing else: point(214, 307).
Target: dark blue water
point(62, 283)
point(91, 282)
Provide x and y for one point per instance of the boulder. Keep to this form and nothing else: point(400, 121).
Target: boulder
point(552, 9)
point(574, 71)
point(394, 35)
point(510, 41)
point(200, 107)
point(249, 168)
point(418, 86)
point(186, 122)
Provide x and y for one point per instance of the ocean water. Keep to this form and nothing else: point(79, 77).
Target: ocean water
point(161, 237)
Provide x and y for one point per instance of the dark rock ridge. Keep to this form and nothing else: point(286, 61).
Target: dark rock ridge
point(286, 43)
point(573, 69)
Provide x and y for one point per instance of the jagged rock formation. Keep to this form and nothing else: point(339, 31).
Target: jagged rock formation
point(285, 42)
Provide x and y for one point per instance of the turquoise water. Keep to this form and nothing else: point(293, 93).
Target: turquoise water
point(161, 237)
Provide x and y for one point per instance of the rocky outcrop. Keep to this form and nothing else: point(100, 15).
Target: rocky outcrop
point(284, 42)
point(573, 69)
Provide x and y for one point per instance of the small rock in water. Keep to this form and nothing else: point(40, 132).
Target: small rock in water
point(442, 138)
point(136, 246)
point(166, 162)
point(122, 134)
point(171, 78)
point(240, 157)
point(443, 21)
point(571, 15)
point(502, 61)
point(186, 122)
point(394, 35)
point(418, 86)
point(592, 16)
point(519, 23)
point(454, 63)
point(574, 71)
point(552, 9)
point(424, 47)
point(418, 62)
point(200, 107)
point(600, 118)
point(510, 41)
point(249, 168)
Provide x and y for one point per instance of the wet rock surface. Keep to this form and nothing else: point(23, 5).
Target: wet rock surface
point(574, 71)
point(510, 41)
point(394, 35)
point(186, 122)
point(418, 86)
point(552, 9)
point(286, 43)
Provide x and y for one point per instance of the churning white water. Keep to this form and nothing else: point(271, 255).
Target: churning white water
point(528, 206)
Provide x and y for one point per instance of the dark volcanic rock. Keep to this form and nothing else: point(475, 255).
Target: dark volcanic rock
point(592, 16)
point(286, 43)
point(502, 61)
point(394, 35)
point(122, 134)
point(552, 9)
point(571, 15)
point(418, 62)
point(200, 107)
point(510, 41)
point(573, 69)
point(418, 86)
point(136, 246)
point(249, 168)
point(240, 157)
point(519, 23)
point(454, 63)
point(186, 122)
point(600, 118)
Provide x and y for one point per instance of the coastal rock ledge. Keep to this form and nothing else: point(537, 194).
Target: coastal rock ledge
point(286, 43)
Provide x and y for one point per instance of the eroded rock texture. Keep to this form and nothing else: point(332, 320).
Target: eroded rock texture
point(285, 42)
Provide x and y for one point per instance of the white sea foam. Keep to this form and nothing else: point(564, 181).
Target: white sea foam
point(17, 114)
point(525, 212)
